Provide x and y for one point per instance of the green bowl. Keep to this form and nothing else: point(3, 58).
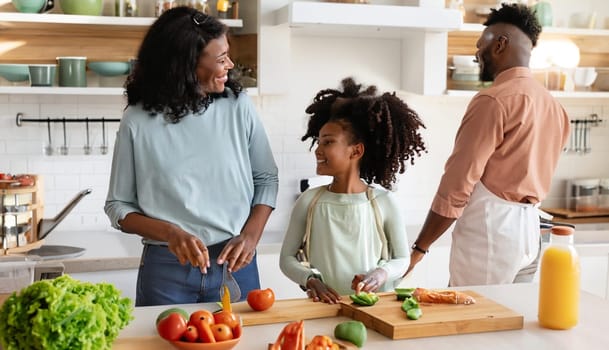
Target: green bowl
point(29, 6)
point(109, 69)
point(82, 7)
point(15, 72)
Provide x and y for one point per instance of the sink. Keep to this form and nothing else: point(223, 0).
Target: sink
point(56, 252)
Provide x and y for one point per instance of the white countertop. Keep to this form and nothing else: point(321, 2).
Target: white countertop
point(591, 333)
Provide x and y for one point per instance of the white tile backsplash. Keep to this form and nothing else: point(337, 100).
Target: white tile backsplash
point(64, 176)
point(319, 63)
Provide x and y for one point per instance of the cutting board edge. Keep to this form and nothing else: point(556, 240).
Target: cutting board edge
point(506, 324)
point(287, 318)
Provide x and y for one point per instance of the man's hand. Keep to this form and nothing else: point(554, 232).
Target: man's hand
point(415, 257)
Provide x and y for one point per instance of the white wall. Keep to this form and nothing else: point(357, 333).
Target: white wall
point(369, 60)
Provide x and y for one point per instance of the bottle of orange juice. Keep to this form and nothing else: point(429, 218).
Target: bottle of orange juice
point(559, 281)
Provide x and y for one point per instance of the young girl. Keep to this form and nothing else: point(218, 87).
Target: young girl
point(356, 238)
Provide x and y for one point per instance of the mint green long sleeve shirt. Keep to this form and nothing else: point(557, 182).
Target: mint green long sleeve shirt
point(203, 174)
point(344, 239)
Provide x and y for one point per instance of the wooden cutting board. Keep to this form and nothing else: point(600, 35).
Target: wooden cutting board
point(387, 317)
point(286, 310)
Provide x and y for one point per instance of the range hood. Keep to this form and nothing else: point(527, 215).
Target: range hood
point(330, 16)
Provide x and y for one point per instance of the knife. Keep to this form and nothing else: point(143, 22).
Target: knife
point(231, 284)
point(406, 282)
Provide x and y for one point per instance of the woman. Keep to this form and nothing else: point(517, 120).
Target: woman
point(193, 172)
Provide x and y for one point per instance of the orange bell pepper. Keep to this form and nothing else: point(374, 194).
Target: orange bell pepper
point(291, 337)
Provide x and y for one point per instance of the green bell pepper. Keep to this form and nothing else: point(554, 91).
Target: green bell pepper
point(404, 293)
point(412, 308)
point(351, 331)
point(364, 298)
point(410, 303)
point(414, 313)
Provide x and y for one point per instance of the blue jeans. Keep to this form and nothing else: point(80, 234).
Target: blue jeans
point(162, 280)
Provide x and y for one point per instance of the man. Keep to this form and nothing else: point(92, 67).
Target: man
point(505, 153)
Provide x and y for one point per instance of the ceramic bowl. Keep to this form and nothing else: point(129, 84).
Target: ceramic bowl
point(221, 345)
point(464, 61)
point(29, 6)
point(15, 72)
point(42, 74)
point(584, 76)
point(82, 7)
point(109, 68)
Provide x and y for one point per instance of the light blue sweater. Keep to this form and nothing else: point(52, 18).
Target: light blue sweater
point(203, 174)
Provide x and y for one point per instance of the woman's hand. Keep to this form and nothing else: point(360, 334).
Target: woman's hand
point(238, 252)
point(369, 282)
point(188, 249)
point(318, 291)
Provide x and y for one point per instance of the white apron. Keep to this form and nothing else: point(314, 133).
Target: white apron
point(493, 240)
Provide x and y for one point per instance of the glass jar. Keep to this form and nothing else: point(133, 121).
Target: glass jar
point(583, 195)
point(125, 8)
point(222, 7)
point(559, 280)
point(163, 5)
point(603, 194)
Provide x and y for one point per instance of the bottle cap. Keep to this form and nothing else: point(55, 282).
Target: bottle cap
point(562, 230)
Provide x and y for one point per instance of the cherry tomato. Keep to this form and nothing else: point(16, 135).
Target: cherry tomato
point(237, 331)
point(261, 299)
point(222, 332)
point(191, 334)
point(172, 326)
point(204, 315)
point(227, 318)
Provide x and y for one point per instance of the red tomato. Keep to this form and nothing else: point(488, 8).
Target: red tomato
point(222, 332)
point(204, 315)
point(4, 176)
point(172, 326)
point(191, 334)
point(227, 318)
point(261, 299)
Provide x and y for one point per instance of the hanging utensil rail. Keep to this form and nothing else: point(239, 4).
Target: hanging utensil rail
point(579, 140)
point(20, 120)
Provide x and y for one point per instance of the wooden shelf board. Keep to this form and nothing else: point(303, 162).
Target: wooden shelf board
point(96, 91)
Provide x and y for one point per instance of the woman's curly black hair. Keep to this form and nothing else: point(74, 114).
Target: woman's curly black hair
point(519, 15)
point(386, 126)
point(164, 79)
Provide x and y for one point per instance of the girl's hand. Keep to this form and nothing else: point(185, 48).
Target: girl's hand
point(188, 249)
point(318, 291)
point(369, 282)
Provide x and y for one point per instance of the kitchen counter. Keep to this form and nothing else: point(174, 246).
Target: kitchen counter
point(591, 332)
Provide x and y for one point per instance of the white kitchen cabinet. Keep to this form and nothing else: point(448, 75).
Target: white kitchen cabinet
point(421, 29)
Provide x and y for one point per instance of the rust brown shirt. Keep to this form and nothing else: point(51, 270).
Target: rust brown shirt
point(510, 138)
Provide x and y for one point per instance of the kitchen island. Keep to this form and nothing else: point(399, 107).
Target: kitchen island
point(592, 332)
